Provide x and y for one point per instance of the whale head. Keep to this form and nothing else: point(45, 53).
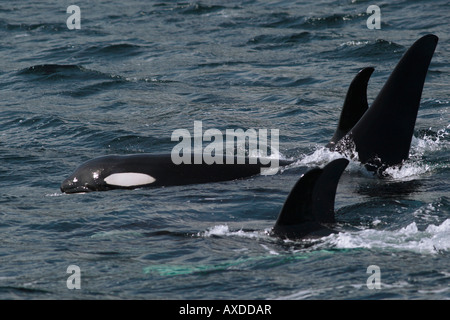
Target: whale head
point(90, 176)
point(104, 173)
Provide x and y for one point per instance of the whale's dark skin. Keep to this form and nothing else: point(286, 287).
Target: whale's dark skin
point(309, 208)
point(90, 176)
point(355, 105)
point(381, 135)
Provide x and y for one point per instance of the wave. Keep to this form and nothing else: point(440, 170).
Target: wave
point(366, 50)
point(276, 41)
point(422, 145)
point(299, 22)
point(48, 27)
point(197, 8)
point(79, 72)
point(434, 239)
point(62, 71)
point(224, 230)
point(111, 51)
point(84, 81)
point(430, 141)
point(425, 144)
point(332, 20)
point(49, 69)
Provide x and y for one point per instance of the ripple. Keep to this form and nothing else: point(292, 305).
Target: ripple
point(197, 8)
point(276, 41)
point(433, 240)
point(111, 51)
point(56, 72)
point(286, 20)
point(365, 50)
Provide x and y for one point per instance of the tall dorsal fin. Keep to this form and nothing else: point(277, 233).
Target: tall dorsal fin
point(324, 192)
point(355, 105)
point(385, 131)
point(298, 206)
point(311, 201)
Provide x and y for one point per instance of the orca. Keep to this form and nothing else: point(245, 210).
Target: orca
point(382, 136)
point(355, 105)
point(309, 208)
point(153, 170)
point(158, 170)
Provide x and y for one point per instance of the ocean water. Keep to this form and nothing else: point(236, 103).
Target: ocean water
point(138, 70)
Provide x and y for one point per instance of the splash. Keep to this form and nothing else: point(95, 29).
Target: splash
point(322, 156)
point(409, 170)
point(434, 239)
point(421, 148)
point(224, 230)
point(430, 142)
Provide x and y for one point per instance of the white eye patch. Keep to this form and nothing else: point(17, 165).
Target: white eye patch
point(129, 179)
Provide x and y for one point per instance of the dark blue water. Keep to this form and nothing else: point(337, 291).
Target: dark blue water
point(138, 70)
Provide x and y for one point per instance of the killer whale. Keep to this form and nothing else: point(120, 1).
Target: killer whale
point(152, 170)
point(309, 208)
point(158, 170)
point(382, 136)
point(355, 105)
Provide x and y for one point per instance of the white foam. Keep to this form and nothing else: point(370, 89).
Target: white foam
point(319, 157)
point(322, 156)
point(224, 230)
point(354, 43)
point(56, 194)
point(439, 141)
point(415, 166)
point(409, 169)
point(432, 240)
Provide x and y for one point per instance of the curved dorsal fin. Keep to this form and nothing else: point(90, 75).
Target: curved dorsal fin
point(355, 105)
point(298, 206)
point(311, 201)
point(385, 131)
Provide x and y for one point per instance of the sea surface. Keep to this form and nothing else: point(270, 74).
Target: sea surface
point(135, 72)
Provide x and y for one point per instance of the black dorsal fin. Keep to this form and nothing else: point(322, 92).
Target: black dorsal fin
point(311, 201)
point(355, 105)
point(385, 131)
point(298, 206)
point(325, 190)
